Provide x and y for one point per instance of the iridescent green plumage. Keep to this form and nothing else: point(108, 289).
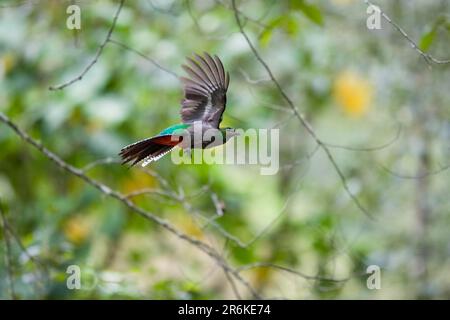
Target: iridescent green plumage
point(175, 129)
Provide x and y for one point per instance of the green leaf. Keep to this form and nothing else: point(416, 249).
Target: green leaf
point(311, 11)
point(266, 35)
point(291, 26)
point(427, 39)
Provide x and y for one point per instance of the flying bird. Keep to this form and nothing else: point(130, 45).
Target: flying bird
point(205, 98)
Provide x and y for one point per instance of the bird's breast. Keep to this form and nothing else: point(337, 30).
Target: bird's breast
point(202, 138)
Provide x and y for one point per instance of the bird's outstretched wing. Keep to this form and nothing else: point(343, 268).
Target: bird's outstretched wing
point(204, 90)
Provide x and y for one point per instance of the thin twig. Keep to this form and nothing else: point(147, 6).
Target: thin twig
point(423, 175)
point(108, 160)
point(253, 81)
point(151, 60)
point(298, 115)
point(286, 269)
point(218, 204)
point(427, 57)
point(246, 17)
point(97, 55)
point(367, 149)
point(209, 221)
point(202, 246)
point(227, 274)
point(232, 284)
point(8, 254)
point(154, 191)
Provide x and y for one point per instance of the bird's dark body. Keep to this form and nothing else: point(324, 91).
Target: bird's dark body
point(203, 138)
point(201, 113)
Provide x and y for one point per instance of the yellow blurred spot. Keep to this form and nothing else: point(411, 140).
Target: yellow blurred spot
point(94, 126)
point(192, 229)
point(138, 180)
point(353, 93)
point(187, 224)
point(262, 275)
point(76, 230)
point(8, 62)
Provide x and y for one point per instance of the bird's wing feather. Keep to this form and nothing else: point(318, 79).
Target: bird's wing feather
point(204, 90)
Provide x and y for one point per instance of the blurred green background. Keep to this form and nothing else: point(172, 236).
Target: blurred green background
point(363, 89)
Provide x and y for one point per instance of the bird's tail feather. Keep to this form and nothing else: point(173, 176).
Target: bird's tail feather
point(149, 150)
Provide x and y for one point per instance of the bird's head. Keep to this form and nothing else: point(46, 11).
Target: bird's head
point(228, 133)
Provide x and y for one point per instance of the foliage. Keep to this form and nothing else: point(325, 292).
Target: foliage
point(356, 86)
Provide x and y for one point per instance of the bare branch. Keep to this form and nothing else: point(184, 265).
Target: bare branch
point(368, 149)
point(283, 209)
point(227, 274)
point(308, 157)
point(8, 254)
point(427, 57)
point(423, 175)
point(200, 245)
point(286, 269)
point(97, 55)
point(243, 15)
point(152, 61)
point(191, 14)
point(16, 237)
point(43, 272)
point(209, 221)
point(218, 204)
point(253, 81)
point(298, 115)
point(140, 192)
point(96, 163)
point(232, 284)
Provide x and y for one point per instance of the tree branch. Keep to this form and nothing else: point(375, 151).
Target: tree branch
point(152, 61)
point(368, 149)
point(427, 57)
point(298, 115)
point(289, 270)
point(202, 246)
point(97, 55)
point(8, 254)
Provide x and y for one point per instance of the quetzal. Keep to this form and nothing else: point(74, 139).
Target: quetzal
point(203, 103)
